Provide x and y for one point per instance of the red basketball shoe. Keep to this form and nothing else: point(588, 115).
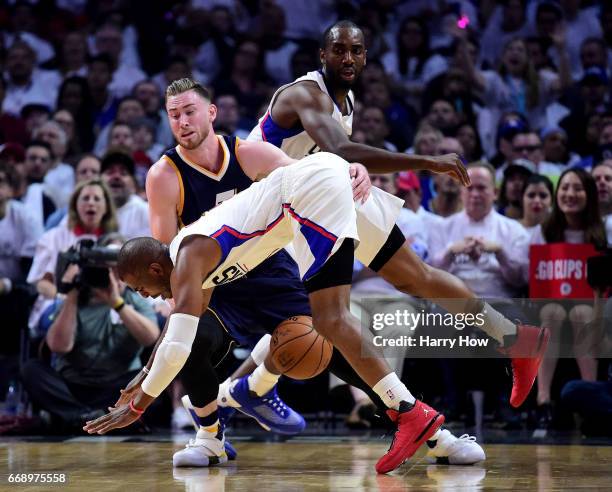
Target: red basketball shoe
point(526, 354)
point(415, 425)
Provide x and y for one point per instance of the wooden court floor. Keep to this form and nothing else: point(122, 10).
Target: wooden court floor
point(92, 464)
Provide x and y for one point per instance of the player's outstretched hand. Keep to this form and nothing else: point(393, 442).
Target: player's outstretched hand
point(361, 182)
point(130, 390)
point(117, 418)
point(452, 165)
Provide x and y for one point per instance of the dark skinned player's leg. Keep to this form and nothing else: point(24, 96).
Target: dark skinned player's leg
point(525, 345)
point(329, 293)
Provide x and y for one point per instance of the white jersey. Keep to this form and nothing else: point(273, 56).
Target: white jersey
point(295, 142)
point(309, 203)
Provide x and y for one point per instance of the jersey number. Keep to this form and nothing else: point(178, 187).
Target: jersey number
point(229, 274)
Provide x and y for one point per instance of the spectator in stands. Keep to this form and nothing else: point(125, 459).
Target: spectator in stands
point(19, 232)
point(120, 136)
point(229, 121)
point(575, 218)
point(447, 192)
point(109, 41)
point(59, 179)
point(507, 22)
point(510, 201)
point(537, 201)
point(528, 145)
point(468, 137)
point(245, 77)
point(555, 147)
point(410, 61)
point(426, 140)
point(64, 118)
point(87, 168)
point(517, 86)
point(91, 214)
point(12, 128)
point(72, 58)
point(593, 53)
point(443, 116)
point(374, 125)
point(509, 125)
point(74, 96)
point(132, 211)
point(129, 110)
point(97, 336)
point(31, 191)
point(34, 115)
point(146, 149)
point(149, 95)
point(483, 248)
point(26, 84)
point(104, 104)
point(594, 95)
point(177, 67)
point(602, 173)
point(600, 132)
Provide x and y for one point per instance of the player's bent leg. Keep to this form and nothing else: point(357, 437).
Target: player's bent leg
point(329, 293)
point(524, 345)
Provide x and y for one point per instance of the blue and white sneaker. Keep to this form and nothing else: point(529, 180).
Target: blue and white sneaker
point(225, 414)
point(269, 410)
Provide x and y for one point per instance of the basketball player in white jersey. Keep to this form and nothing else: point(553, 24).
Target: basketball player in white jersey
point(315, 112)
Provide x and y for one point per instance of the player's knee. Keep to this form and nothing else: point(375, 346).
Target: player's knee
point(175, 353)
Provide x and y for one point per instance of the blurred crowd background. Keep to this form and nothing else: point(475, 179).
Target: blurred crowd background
point(519, 88)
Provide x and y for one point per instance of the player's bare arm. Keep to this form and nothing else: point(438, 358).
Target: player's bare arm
point(258, 159)
point(163, 195)
point(314, 109)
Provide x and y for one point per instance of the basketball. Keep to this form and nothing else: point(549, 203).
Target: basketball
point(298, 350)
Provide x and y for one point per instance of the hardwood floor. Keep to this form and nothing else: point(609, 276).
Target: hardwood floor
point(108, 465)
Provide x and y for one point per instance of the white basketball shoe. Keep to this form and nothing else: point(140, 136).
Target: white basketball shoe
point(206, 449)
point(450, 450)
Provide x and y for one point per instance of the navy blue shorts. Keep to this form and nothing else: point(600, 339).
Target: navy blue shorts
point(257, 303)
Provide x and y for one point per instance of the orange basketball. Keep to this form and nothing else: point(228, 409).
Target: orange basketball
point(298, 350)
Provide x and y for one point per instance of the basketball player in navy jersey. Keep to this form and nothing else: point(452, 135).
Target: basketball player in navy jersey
point(315, 113)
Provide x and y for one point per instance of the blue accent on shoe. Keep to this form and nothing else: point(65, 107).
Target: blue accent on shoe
point(225, 414)
point(269, 410)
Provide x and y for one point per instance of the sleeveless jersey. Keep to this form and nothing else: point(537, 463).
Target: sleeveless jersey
point(270, 293)
point(200, 189)
point(295, 142)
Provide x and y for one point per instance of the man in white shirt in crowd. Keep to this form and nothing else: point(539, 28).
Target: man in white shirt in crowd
point(602, 173)
point(132, 211)
point(25, 84)
point(480, 246)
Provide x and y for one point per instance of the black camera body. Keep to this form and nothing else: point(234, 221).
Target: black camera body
point(94, 262)
point(599, 270)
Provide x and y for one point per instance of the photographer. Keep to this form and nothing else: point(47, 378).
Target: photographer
point(97, 335)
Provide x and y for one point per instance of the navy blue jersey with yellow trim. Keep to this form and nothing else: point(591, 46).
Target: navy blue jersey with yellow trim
point(199, 195)
point(268, 294)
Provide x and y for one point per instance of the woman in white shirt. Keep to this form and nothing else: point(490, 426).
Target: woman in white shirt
point(574, 219)
point(91, 214)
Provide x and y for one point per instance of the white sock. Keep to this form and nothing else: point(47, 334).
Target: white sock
point(260, 352)
point(496, 325)
point(392, 391)
point(224, 398)
point(262, 380)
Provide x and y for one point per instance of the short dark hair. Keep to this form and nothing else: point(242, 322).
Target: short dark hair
point(102, 58)
point(342, 24)
point(137, 253)
point(40, 143)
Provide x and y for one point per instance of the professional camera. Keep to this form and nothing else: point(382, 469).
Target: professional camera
point(94, 262)
point(599, 270)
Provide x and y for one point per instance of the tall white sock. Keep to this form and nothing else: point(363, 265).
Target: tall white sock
point(392, 391)
point(261, 349)
point(262, 380)
point(495, 324)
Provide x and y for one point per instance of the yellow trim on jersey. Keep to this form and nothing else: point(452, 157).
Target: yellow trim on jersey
point(224, 165)
point(181, 204)
point(218, 319)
